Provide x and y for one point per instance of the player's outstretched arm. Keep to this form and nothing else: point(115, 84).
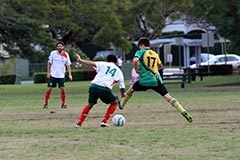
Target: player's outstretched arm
point(87, 62)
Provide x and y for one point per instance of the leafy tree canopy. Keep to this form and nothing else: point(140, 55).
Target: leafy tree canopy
point(21, 28)
point(31, 28)
point(225, 15)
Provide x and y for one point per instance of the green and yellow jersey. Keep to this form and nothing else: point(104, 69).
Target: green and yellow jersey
point(148, 66)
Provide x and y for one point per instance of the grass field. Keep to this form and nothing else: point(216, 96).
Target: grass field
point(153, 131)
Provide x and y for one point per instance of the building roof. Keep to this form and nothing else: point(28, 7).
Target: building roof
point(183, 26)
point(188, 42)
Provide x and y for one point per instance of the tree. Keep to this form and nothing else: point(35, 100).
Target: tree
point(100, 22)
point(225, 15)
point(149, 16)
point(26, 25)
point(21, 28)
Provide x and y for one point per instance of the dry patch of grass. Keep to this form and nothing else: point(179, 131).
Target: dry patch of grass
point(153, 129)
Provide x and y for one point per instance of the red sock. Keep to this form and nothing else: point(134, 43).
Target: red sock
point(47, 96)
point(63, 97)
point(109, 112)
point(84, 114)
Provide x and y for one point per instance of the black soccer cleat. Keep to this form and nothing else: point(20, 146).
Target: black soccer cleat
point(64, 106)
point(187, 116)
point(45, 106)
point(119, 103)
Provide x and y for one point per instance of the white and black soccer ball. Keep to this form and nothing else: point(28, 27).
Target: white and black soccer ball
point(118, 120)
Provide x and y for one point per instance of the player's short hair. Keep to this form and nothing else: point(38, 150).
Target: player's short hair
point(112, 58)
point(144, 41)
point(60, 42)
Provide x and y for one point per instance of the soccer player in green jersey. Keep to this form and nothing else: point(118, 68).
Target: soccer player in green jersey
point(147, 63)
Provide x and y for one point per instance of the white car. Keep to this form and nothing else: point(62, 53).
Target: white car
point(203, 58)
point(232, 59)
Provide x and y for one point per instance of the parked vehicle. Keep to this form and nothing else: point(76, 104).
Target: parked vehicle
point(203, 58)
point(103, 54)
point(232, 59)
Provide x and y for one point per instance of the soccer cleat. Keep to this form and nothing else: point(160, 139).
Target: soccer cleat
point(187, 116)
point(45, 106)
point(119, 103)
point(64, 106)
point(77, 126)
point(103, 124)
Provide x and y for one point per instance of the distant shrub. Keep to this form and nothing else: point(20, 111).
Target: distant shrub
point(8, 79)
point(7, 66)
point(82, 75)
point(40, 77)
point(78, 75)
point(224, 69)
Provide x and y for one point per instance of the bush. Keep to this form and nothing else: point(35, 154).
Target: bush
point(84, 75)
point(88, 75)
point(8, 79)
point(40, 77)
point(7, 66)
point(77, 76)
point(225, 69)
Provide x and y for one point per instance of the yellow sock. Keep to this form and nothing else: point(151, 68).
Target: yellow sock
point(177, 105)
point(126, 98)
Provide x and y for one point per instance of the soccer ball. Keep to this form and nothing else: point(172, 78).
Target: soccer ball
point(118, 120)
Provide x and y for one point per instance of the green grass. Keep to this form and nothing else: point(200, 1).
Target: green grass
point(153, 129)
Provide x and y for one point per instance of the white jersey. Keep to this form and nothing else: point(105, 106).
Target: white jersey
point(58, 62)
point(119, 62)
point(108, 74)
point(135, 76)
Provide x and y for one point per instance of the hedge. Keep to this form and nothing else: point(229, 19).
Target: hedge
point(84, 75)
point(8, 79)
point(224, 69)
point(40, 77)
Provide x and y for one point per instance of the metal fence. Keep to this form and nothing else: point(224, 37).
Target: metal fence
point(42, 67)
point(37, 67)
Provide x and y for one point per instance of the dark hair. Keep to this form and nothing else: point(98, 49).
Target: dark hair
point(60, 42)
point(144, 41)
point(112, 58)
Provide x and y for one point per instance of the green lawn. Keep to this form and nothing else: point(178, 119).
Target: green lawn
point(153, 129)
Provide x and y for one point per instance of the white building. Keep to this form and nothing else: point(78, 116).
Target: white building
point(3, 52)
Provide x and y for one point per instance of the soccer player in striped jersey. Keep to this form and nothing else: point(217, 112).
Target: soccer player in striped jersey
point(108, 74)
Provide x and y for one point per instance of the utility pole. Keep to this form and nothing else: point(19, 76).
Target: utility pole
point(208, 41)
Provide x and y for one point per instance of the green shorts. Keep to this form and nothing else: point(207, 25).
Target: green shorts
point(104, 93)
point(52, 82)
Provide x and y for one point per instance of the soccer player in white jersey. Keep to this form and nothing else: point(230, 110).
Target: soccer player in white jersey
point(58, 60)
point(108, 74)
